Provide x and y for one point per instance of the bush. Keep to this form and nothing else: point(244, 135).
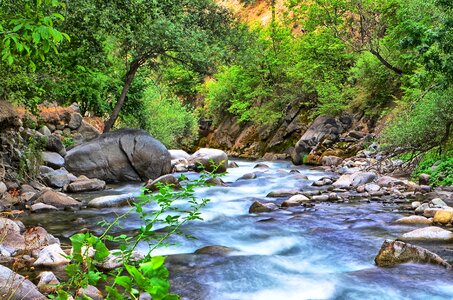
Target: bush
point(439, 167)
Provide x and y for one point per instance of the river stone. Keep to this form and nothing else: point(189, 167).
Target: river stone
point(204, 159)
point(56, 178)
point(3, 187)
point(423, 179)
point(84, 184)
point(178, 154)
point(91, 292)
point(53, 159)
point(443, 217)
point(47, 282)
point(414, 220)
point(430, 212)
point(51, 256)
point(11, 241)
point(87, 131)
point(233, 164)
point(258, 207)
point(372, 187)
point(111, 201)
point(44, 130)
point(16, 287)
point(168, 179)
point(41, 207)
point(214, 250)
point(295, 200)
point(421, 208)
point(430, 233)
point(58, 200)
point(112, 261)
point(437, 203)
point(215, 181)
point(282, 193)
point(122, 155)
point(37, 237)
point(388, 181)
point(261, 165)
point(247, 176)
point(393, 253)
point(415, 204)
point(331, 160)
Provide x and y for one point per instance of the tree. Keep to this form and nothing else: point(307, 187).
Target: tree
point(150, 33)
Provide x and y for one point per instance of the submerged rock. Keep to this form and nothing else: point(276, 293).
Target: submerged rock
point(247, 176)
point(111, 201)
point(258, 207)
point(122, 155)
point(393, 253)
point(282, 193)
point(214, 250)
point(170, 180)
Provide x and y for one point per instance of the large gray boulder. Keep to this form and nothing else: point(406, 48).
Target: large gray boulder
point(16, 287)
point(322, 128)
point(122, 155)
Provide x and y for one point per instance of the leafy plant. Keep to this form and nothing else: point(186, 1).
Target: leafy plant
point(133, 277)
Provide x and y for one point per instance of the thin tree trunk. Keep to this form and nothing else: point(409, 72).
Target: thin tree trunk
point(386, 63)
point(127, 83)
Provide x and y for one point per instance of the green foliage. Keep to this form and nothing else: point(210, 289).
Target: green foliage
point(31, 158)
point(133, 277)
point(167, 119)
point(439, 167)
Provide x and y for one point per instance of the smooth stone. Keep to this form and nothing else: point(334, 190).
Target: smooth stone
point(331, 160)
point(261, 165)
point(415, 204)
point(372, 187)
point(111, 201)
point(295, 200)
point(215, 181)
point(54, 144)
point(437, 203)
point(324, 197)
point(75, 121)
point(37, 237)
point(283, 193)
point(112, 261)
point(47, 282)
point(41, 207)
point(16, 287)
point(214, 250)
point(431, 233)
point(393, 253)
point(431, 212)
point(91, 292)
point(414, 220)
point(53, 159)
point(247, 176)
point(3, 187)
point(56, 178)
point(58, 200)
point(258, 207)
point(443, 217)
point(51, 256)
point(210, 160)
point(233, 164)
point(178, 154)
point(86, 185)
point(165, 180)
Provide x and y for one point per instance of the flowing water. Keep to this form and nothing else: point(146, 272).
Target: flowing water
point(324, 252)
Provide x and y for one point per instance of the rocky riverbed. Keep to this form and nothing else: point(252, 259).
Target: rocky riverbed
point(306, 239)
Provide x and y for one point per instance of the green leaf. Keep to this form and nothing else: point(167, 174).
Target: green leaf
point(124, 281)
point(36, 37)
point(101, 251)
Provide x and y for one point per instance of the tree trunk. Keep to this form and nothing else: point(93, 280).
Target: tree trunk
point(127, 83)
point(386, 63)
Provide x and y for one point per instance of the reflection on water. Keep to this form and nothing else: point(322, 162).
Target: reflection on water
point(321, 253)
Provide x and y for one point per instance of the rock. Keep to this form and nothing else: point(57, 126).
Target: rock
point(54, 144)
point(247, 176)
point(354, 180)
point(180, 168)
point(11, 241)
point(323, 128)
point(53, 159)
point(214, 250)
point(47, 282)
point(58, 200)
point(295, 200)
point(44, 130)
point(414, 220)
point(75, 121)
point(393, 253)
point(16, 287)
point(178, 154)
point(51, 256)
point(88, 132)
point(41, 207)
point(56, 178)
point(233, 164)
point(37, 237)
point(91, 292)
point(207, 159)
point(111, 201)
point(415, 204)
point(330, 160)
point(216, 182)
point(168, 179)
point(113, 261)
point(372, 187)
point(261, 165)
point(258, 207)
point(430, 233)
point(144, 296)
point(430, 212)
point(421, 208)
point(356, 134)
point(387, 181)
point(3, 187)
point(84, 184)
point(443, 217)
point(323, 197)
point(437, 203)
point(45, 169)
point(423, 179)
point(122, 155)
point(283, 193)
point(322, 182)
